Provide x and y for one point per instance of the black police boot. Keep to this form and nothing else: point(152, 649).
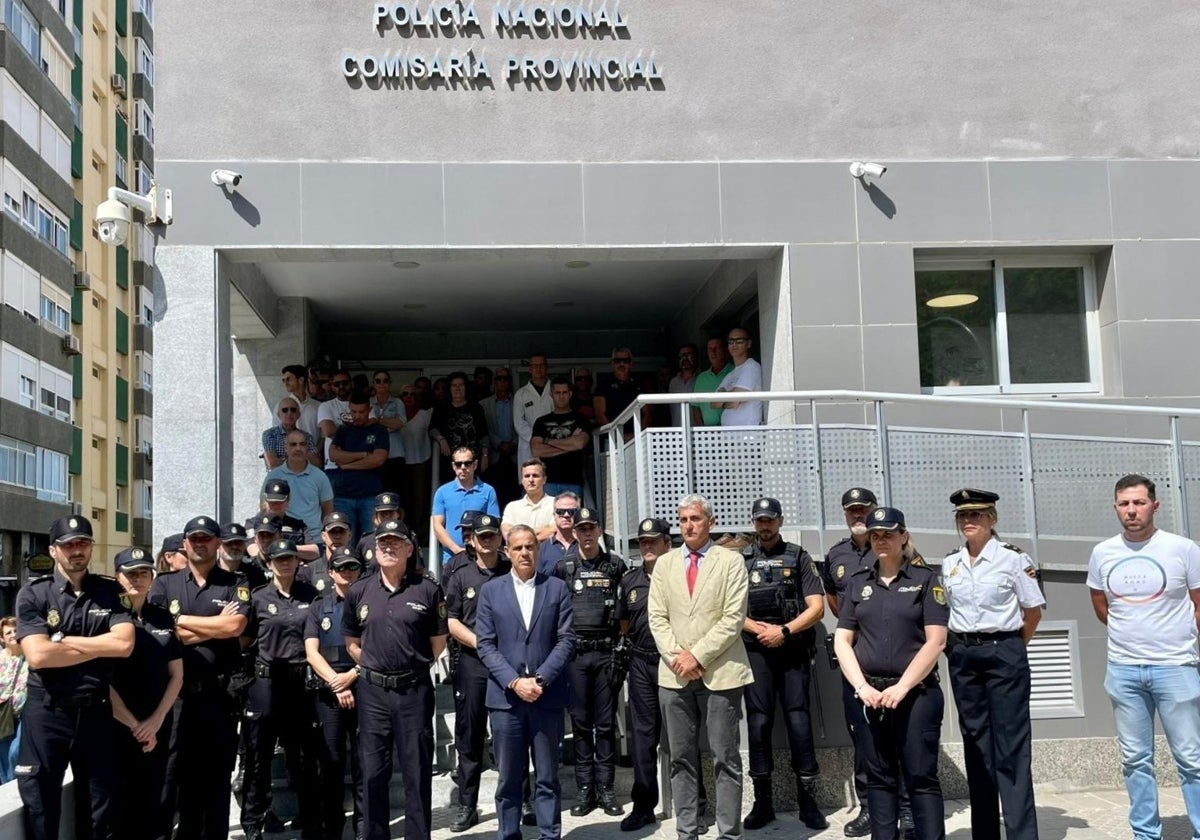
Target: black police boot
point(860, 826)
point(272, 824)
point(608, 801)
point(908, 828)
point(763, 811)
point(466, 817)
point(528, 817)
point(253, 832)
point(810, 812)
point(637, 819)
point(585, 801)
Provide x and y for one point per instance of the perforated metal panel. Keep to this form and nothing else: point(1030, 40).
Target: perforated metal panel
point(849, 458)
point(1191, 470)
point(1074, 479)
point(733, 467)
point(667, 482)
point(927, 466)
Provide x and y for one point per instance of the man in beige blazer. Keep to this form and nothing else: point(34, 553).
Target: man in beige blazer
point(698, 599)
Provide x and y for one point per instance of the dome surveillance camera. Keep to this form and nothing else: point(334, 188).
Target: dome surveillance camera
point(862, 170)
point(226, 177)
point(112, 219)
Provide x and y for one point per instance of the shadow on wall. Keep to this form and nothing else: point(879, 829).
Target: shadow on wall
point(242, 206)
point(881, 200)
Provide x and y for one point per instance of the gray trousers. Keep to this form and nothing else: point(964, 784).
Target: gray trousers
point(684, 711)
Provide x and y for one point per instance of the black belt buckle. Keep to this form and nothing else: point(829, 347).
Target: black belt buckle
point(882, 683)
point(392, 681)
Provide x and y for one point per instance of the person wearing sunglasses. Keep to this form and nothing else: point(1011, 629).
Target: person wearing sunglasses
point(684, 382)
point(388, 412)
point(745, 376)
point(615, 395)
point(464, 492)
point(274, 445)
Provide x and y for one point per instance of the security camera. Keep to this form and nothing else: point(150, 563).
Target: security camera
point(226, 177)
point(112, 218)
point(862, 170)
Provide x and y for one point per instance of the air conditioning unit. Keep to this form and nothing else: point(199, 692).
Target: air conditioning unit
point(77, 508)
point(146, 449)
point(118, 85)
point(139, 321)
point(70, 345)
point(83, 280)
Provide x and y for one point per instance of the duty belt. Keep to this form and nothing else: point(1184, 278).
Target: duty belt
point(973, 639)
point(646, 655)
point(393, 680)
point(266, 670)
point(589, 645)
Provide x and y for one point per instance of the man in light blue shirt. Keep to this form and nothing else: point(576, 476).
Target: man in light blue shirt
point(311, 496)
point(463, 493)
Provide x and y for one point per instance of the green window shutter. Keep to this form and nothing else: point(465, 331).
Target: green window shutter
point(121, 522)
point(122, 136)
point(122, 66)
point(123, 266)
point(122, 465)
point(77, 157)
point(122, 17)
point(77, 81)
point(77, 376)
point(122, 407)
point(78, 15)
point(122, 333)
point(77, 225)
point(75, 462)
point(77, 306)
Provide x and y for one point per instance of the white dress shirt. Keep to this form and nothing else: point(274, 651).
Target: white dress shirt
point(525, 591)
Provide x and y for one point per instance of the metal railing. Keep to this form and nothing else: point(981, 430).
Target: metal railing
point(1054, 485)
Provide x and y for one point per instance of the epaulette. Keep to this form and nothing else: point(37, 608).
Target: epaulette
point(1012, 547)
point(953, 551)
point(43, 578)
point(430, 578)
point(261, 586)
point(103, 577)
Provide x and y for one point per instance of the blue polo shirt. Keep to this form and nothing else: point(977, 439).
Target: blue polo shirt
point(308, 489)
point(451, 499)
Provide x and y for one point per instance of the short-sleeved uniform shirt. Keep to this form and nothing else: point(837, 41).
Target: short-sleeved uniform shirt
point(462, 591)
point(1151, 618)
point(635, 595)
point(324, 623)
point(395, 627)
point(317, 575)
point(358, 484)
point(566, 468)
point(141, 678)
point(889, 620)
point(451, 499)
point(773, 566)
point(461, 560)
point(180, 594)
point(252, 574)
point(277, 621)
point(842, 561)
point(990, 596)
point(50, 605)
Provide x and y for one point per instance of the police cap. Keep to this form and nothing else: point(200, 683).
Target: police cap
point(653, 528)
point(468, 516)
point(266, 524)
point(201, 525)
point(277, 490)
point(70, 528)
point(858, 497)
point(172, 543)
point(387, 501)
point(394, 528)
point(281, 548)
point(766, 508)
point(345, 559)
point(335, 519)
point(132, 558)
point(588, 516)
point(968, 499)
point(885, 519)
point(485, 523)
point(233, 532)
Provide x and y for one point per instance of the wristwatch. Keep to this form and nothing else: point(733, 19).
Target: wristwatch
point(537, 678)
point(787, 631)
point(57, 637)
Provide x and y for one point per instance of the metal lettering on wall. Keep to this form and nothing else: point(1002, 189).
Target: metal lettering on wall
point(577, 44)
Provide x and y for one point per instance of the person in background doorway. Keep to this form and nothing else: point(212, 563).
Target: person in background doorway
point(295, 382)
point(581, 395)
point(745, 376)
point(415, 480)
point(710, 379)
point(439, 392)
point(498, 410)
point(333, 413)
point(465, 492)
point(532, 400)
point(274, 439)
point(424, 386)
point(481, 384)
point(14, 676)
point(615, 395)
point(359, 448)
point(460, 422)
point(683, 382)
point(309, 492)
point(389, 412)
point(566, 508)
point(319, 375)
point(560, 439)
point(536, 507)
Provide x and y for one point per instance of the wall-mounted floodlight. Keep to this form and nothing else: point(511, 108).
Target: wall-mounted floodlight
point(113, 215)
point(859, 169)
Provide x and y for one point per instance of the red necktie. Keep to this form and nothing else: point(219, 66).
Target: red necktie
point(693, 570)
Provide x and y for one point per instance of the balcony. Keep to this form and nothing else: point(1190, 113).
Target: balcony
point(143, 89)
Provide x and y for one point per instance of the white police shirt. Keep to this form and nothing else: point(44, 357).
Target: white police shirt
point(990, 596)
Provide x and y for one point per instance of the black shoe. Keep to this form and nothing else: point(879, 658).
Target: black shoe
point(762, 814)
point(637, 819)
point(607, 799)
point(466, 817)
point(808, 811)
point(860, 826)
point(908, 828)
point(528, 817)
point(272, 824)
point(585, 801)
point(253, 832)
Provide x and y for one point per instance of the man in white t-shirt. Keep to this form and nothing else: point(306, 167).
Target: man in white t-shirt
point(333, 413)
point(1145, 586)
point(745, 376)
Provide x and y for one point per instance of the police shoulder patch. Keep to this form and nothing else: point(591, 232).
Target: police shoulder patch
point(326, 623)
point(53, 619)
point(442, 610)
point(841, 572)
point(939, 595)
point(362, 612)
point(1031, 572)
point(243, 594)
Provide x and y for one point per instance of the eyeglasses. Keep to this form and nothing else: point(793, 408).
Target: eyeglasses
point(286, 410)
point(565, 511)
point(463, 464)
point(622, 360)
point(970, 514)
point(737, 341)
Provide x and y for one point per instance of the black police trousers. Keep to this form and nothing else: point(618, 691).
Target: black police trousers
point(399, 719)
point(207, 738)
point(852, 707)
point(781, 674)
point(470, 724)
point(53, 735)
point(338, 726)
point(278, 706)
point(592, 717)
point(140, 807)
point(991, 690)
point(904, 743)
point(645, 732)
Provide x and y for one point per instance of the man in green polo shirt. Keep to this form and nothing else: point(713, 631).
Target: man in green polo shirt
point(710, 379)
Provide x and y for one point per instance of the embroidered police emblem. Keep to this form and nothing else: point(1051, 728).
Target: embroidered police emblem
point(53, 618)
point(814, 569)
point(939, 595)
point(243, 594)
point(578, 586)
point(470, 592)
point(174, 608)
point(584, 513)
point(854, 494)
point(272, 609)
point(201, 521)
point(787, 572)
point(485, 520)
point(633, 596)
point(320, 584)
point(370, 553)
point(966, 495)
point(647, 524)
point(841, 572)
point(764, 504)
point(866, 592)
point(74, 523)
point(1029, 572)
point(756, 577)
point(138, 554)
point(326, 623)
point(362, 612)
point(955, 571)
point(880, 514)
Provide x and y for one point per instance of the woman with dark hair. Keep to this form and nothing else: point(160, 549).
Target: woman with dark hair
point(459, 422)
point(891, 631)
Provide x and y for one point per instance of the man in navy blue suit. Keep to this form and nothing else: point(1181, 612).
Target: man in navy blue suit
point(524, 637)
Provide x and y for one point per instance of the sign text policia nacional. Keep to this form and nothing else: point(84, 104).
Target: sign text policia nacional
point(576, 43)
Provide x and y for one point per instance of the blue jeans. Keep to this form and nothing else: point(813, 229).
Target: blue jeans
point(361, 513)
point(8, 754)
point(1136, 692)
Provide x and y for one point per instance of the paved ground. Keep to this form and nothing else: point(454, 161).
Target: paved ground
point(1094, 815)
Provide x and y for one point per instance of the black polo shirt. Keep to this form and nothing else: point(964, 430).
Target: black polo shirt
point(253, 575)
point(277, 621)
point(889, 620)
point(141, 678)
point(395, 627)
point(842, 561)
point(457, 561)
point(462, 591)
point(324, 623)
point(50, 605)
point(317, 574)
point(179, 594)
point(635, 596)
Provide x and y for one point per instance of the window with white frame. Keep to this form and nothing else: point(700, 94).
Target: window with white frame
point(143, 434)
point(143, 499)
point(18, 462)
point(146, 7)
point(22, 286)
point(51, 475)
point(54, 392)
point(142, 176)
point(18, 376)
point(29, 210)
point(145, 306)
point(143, 244)
point(122, 169)
point(982, 326)
point(24, 27)
point(14, 188)
point(21, 110)
point(143, 120)
point(56, 308)
point(56, 64)
point(144, 59)
point(143, 369)
point(55, 148)
point(62, 236)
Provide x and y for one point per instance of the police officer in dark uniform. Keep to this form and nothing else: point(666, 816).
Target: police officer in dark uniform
point(335, 536)
point(995, 606)
point(210, 608)
point(471, 675)
point(325, 647)
point(890, 633)
point(387, 508)
point(465, 557)
point(593, 576)
point(845, 558)
point(233, 557)
point(395, 627)
point(785, 601)
point(276, 494)
point(274, 707)
point(72, 627)
point(144, 689)
point(266, 530)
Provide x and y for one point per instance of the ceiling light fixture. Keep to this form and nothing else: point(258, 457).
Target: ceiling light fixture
point(952, 301)
point(404, 265)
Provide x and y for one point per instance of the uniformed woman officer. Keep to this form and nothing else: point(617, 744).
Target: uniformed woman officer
point(276, 704)
point(995, 605)
point(325, 647)
point(143, 693)
point(891, 630)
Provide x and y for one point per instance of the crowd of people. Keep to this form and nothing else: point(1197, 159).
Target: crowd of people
point(313, 625)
